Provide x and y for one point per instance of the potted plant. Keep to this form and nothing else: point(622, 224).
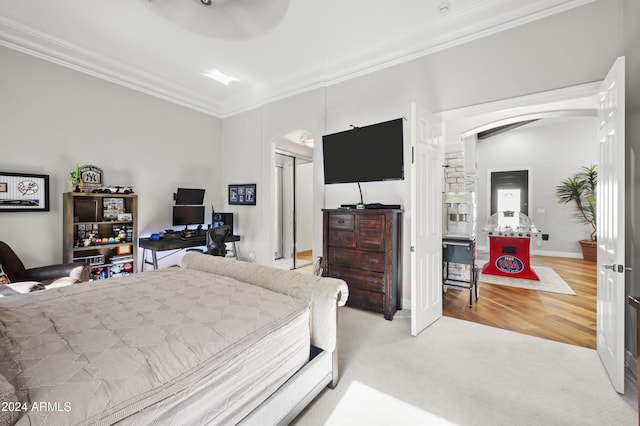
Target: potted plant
point(581, 189)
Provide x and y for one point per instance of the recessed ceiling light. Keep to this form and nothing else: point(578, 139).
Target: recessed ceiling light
point(220, 77)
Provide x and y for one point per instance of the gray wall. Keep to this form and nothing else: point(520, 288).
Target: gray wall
point(157, 146)
point(52, 117)
point(552, 150)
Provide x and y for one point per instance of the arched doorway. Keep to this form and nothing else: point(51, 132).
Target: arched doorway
point(464, 126)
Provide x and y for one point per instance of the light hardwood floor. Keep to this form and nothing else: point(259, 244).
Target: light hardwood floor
point(563, 318)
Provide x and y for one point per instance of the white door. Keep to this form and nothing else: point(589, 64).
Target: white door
point(610, 225)
point(426, 219)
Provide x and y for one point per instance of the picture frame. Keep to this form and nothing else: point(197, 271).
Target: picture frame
point(111, 207)
point(22, 192)
point(243, 194)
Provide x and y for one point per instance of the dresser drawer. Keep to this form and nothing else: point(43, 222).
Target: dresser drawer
point(364, 299)
point(368, 260)
point(341, 221)
point(371, 234)
point(346, 239)
point(357, 278)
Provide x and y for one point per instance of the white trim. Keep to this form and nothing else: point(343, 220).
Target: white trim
point(566, 254)
point(536, 99)
point(44, 46)
point(532, 116)
point(28, 40)
point(511, 169)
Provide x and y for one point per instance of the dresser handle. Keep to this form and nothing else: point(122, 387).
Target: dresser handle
point(373, 260)
point(373, 302)
point(341, 239)
point(336, 275)
point(336, 255)
point(340, 220)
point(373, 281)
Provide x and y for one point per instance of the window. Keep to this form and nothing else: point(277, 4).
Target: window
point(510, 191)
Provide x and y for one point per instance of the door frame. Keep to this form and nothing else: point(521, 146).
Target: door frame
point(576, 101)
point(280, 147)
point(509, 169)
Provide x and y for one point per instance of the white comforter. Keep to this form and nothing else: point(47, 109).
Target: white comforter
point(149, 347)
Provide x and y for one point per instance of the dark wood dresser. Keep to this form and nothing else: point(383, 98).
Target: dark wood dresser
point(363, 248)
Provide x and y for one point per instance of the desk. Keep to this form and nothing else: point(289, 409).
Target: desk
point(165, 244)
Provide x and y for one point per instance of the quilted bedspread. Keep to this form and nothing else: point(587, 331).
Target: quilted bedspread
point(99, 352)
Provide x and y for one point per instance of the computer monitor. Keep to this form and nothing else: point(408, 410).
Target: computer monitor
point(189, 196)
point(222, 219)
point(188, 215)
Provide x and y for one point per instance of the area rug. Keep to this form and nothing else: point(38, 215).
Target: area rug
point(549, 281)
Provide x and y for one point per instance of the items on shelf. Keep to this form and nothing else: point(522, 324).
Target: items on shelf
point(101, 230)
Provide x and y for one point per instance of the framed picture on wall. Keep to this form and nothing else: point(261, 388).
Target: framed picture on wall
point(244, 194)
point(21, 192)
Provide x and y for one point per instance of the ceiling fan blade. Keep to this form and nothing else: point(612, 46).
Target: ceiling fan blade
point(224, 19)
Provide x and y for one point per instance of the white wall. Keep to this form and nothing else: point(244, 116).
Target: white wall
point(52, 117)
point(553, 150)
point(517, 62)
point(304, 209)
point(249, 142)
point(72, 113)
point(241, 161)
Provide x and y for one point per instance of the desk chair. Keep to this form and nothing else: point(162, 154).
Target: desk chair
point(215, 240)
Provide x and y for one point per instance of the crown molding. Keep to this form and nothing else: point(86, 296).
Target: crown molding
point(30, 41)
point(25, 39)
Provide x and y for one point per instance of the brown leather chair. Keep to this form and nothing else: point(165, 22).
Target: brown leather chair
point(46, 275)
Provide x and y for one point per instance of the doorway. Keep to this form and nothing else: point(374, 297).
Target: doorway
point(293, 187)
point(513, 309)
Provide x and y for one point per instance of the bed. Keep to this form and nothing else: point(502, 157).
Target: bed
point(212, 341)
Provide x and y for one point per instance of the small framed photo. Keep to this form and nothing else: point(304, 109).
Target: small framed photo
point(125, 217)
point(112, 207)
point(244, 194)
point(21, 192)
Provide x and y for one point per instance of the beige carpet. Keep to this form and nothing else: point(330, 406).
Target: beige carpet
point(549, 281)
point(461, 373)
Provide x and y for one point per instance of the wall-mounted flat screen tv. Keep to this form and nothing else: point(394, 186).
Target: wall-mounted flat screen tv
point(186, 196)
point(364, 154)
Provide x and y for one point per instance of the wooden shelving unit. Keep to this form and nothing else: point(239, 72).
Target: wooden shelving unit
point(93, 232)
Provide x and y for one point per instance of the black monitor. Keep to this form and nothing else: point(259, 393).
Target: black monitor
point(189, 196)
point(222, 219)
point(188, 215)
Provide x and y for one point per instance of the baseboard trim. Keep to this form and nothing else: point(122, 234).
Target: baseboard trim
point(568, 254)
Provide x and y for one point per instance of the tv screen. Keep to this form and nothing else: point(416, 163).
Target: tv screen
point(188, 215)
point(364, 154)
point(186, 196)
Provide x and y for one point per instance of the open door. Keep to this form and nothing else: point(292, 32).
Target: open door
point(610, 225)
point(426, 219)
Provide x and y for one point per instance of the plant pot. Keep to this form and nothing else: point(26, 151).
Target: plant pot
point(589, 250)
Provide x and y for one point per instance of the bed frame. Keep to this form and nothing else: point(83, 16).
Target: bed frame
point(324, 295)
